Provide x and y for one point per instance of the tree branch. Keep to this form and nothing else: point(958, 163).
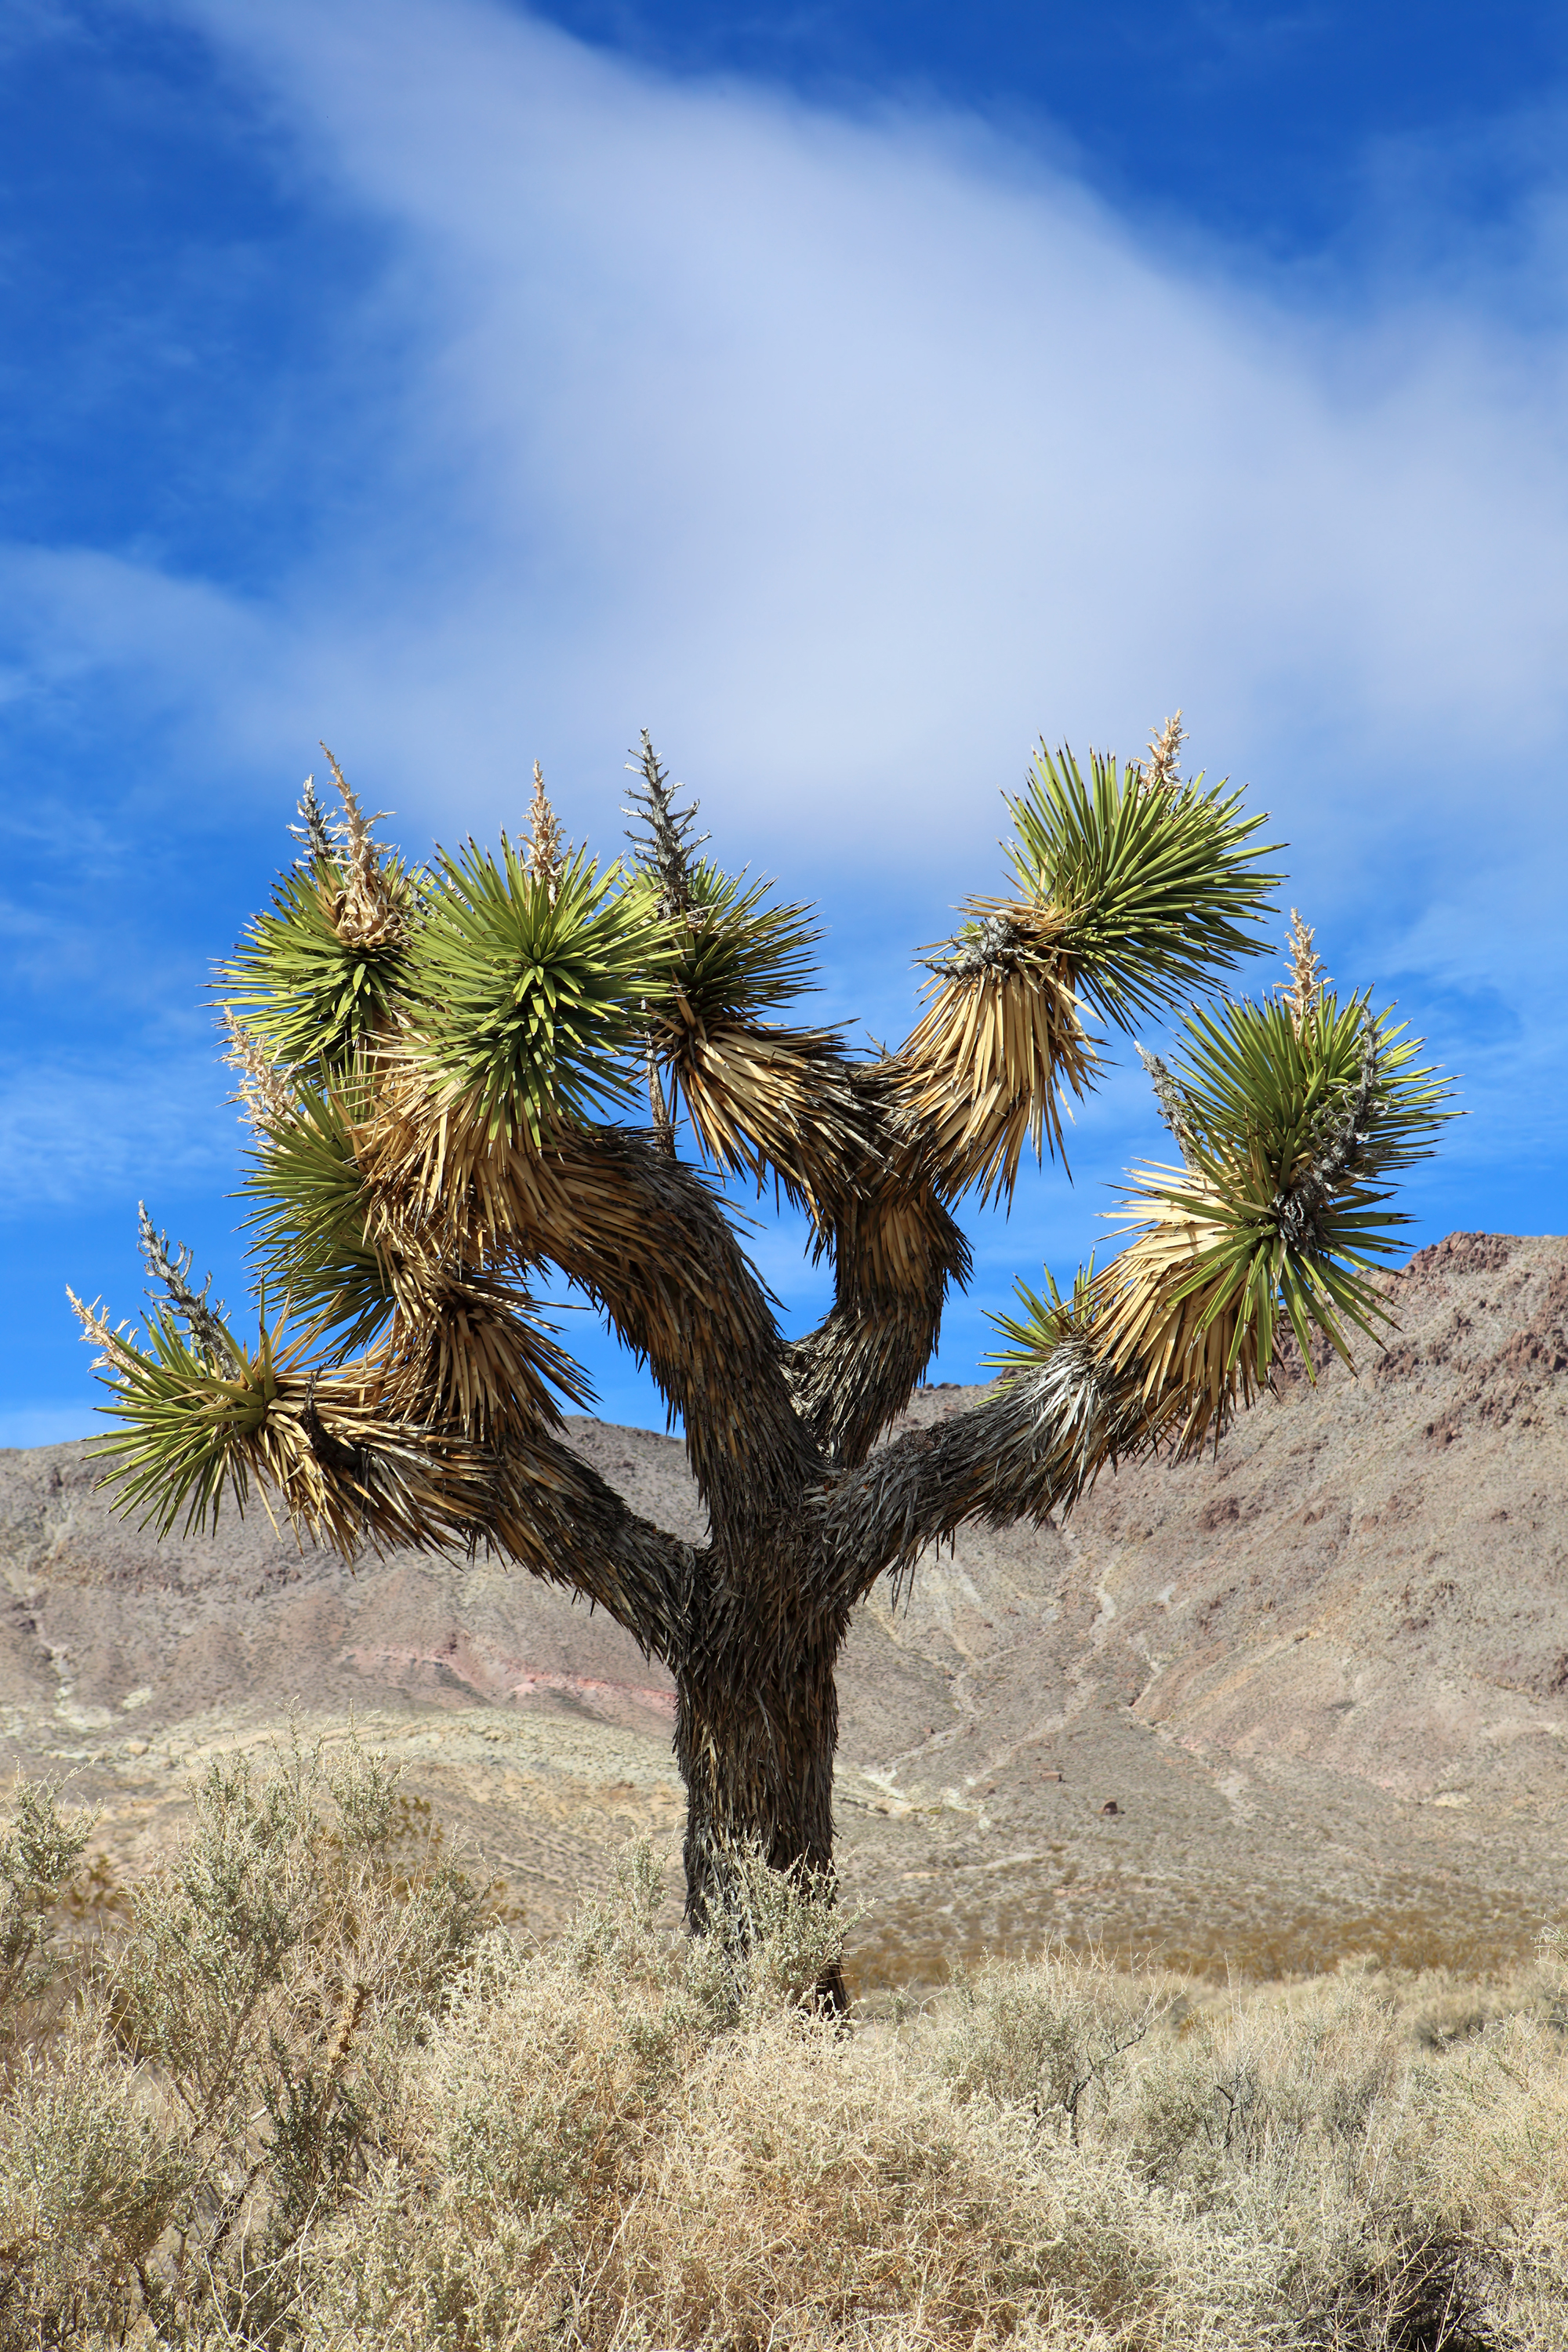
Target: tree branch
point(558, 1520)
point(356, 1477)
point(643, 1236)
point(1033, 1444)
point(895, 1249)
point(646, 1237)
point(835, 1134)
point(785, 1105)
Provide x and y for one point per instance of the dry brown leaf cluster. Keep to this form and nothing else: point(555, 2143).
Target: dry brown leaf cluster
point(984, 1072)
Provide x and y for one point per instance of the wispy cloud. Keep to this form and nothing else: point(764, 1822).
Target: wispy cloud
point(28, 24)
point(846, 453)
point(100, 1132)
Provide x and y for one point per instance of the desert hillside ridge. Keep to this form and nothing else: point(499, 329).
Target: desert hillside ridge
point(1305, 1698)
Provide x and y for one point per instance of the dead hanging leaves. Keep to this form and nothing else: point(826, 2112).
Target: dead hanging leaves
point(1170, 1316)
point(981, 1076)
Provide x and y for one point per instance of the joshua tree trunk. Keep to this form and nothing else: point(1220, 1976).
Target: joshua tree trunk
point(421, 1058)
point(756, 1726)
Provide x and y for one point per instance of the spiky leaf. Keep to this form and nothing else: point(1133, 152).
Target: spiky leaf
point(1040, 1325)
point(731, 956)
point(530, 990)
point(310, 1217)
point(189, 1430)
point(1291, 1128)
point(1154, 884)
point(308, 980)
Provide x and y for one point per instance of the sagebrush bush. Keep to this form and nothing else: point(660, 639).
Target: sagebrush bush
point(317, 2096)
point(39, 1856)
point(163, 2160)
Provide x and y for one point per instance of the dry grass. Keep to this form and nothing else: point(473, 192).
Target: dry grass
point(307, 2097)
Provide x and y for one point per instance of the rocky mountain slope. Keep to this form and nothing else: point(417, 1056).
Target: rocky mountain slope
point(1308, 1697)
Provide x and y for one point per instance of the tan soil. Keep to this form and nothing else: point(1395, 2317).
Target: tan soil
point(1304, 1698)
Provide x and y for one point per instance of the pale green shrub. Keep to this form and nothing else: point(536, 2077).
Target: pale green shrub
point(39, 1856)
point(624, 2140)
point(1050, 2036)
point(314, 2100)
point(91, 2177)
point(162, 2166)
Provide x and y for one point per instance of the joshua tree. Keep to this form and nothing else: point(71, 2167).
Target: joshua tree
point(439, 1066)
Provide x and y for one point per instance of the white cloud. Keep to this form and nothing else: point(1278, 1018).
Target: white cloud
point(846, 454)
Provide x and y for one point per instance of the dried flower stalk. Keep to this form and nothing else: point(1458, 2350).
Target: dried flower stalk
point(114, 1351)
point(263, 1094)
point(1304, 992)
point(1162, 773)
point(547, 844)
point(364, 908)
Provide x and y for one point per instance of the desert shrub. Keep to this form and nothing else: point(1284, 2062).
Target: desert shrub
point(317, 2096)
point(778, 1938)
point(1549, 1979)
point(1050, 2035)
point(1394, 2153)
point(627, 2140)
point(92, 2175)
point(40, 1856)
point(1322, 2125)
point(232, 2059)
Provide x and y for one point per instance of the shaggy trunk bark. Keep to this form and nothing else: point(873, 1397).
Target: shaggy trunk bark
point(756, 1726)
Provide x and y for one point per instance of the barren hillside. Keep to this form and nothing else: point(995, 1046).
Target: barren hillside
point(1307, 1696)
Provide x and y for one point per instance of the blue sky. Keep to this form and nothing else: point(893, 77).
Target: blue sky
point(847, 394)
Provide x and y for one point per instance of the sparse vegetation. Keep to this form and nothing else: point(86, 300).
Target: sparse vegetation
point(303, 2088)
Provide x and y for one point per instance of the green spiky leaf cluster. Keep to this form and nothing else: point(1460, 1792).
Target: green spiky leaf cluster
point(1254, 1088)
point(1040, 1325)
point(732, 956)
point(308, 1222)
point(184, 1419)
point(1296, 1132)
point(1156, 883)
point(309, 994)
point(530, 991)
